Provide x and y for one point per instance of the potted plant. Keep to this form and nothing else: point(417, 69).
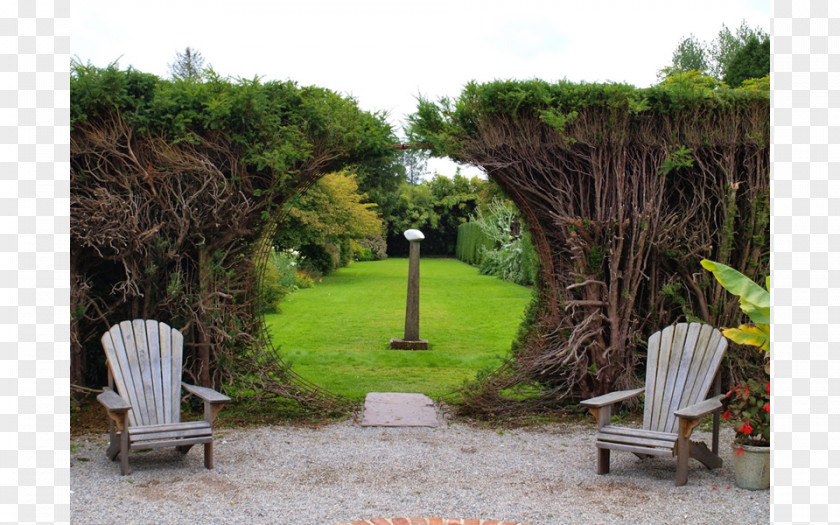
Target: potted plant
point(748, 404)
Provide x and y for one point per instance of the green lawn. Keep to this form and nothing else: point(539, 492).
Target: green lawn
point(337, 333)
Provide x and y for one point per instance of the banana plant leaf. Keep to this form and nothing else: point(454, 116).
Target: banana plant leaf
point(753, 335)
point(755, 300)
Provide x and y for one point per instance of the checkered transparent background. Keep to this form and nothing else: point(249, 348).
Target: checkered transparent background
point(805, 263)
point(34, 261)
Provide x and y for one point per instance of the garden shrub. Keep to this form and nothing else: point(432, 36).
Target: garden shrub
point(504, 249)
point(278, 280)
point(304, 279)
point(321, 259)
point(360, 253)
point(375, 245)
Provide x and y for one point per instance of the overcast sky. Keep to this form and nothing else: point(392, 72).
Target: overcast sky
point(385, 53)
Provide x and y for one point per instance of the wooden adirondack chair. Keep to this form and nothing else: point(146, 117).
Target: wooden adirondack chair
point(682, 364)
point(145, 361)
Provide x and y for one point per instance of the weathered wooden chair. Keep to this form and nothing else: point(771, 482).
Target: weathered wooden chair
point(145, 361)
point(682, 364)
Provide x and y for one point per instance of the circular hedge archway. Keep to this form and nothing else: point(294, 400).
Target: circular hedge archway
point(176, 189)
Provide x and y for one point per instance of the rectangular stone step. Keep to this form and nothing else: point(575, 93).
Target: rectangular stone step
point(397, 409)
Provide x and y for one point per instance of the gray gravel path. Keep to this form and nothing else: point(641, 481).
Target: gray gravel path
point(344, 472)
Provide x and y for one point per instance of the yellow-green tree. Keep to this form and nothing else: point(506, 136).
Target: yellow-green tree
point(324, 221)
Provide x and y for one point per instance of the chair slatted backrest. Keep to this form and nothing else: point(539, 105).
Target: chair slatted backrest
point(145, 360)
point(682, 362)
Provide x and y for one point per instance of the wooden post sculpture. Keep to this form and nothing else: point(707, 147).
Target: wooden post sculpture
point(411, 339)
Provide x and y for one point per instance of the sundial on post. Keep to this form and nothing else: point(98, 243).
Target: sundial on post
point(411, 338)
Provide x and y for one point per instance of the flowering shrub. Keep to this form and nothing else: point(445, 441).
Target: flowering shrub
point(304, 279)
point(748, 406)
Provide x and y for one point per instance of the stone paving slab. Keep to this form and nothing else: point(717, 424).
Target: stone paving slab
point(396, 409)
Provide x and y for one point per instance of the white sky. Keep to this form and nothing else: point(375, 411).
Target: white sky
point(385, 53)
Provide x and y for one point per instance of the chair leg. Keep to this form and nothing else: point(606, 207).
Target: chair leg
point(701, 453)
point(124, 452)
point(603, 461)
point(208, 455)
point(683, 452)
point(114, 447)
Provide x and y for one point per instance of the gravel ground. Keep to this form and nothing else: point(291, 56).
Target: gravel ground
point(343, 472)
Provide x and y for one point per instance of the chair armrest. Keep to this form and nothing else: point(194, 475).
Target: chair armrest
point(701, 409)
point(113, 402)
point(213, 400)
point(208, 395)
point(611, 398)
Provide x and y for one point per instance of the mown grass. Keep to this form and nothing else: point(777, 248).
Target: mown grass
point(337, 334)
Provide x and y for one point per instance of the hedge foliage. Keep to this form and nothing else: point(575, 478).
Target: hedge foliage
point(689, 101)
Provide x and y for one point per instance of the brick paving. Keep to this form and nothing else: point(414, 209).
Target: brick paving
point(429, 521)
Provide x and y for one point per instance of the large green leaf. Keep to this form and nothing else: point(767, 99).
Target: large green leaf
point(757, 314)
point(755, 300)
point(752, 335)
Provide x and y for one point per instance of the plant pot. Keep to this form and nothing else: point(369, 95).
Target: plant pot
point(752, 467)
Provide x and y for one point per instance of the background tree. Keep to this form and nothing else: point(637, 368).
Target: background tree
point(456, 200)
point(750, 61)
point(436, 207)
point(690, 55)
point(379, 179)
point(732, 57)
point(323, 222)
point(188, 65)
point(415, 162)
point(726, 46)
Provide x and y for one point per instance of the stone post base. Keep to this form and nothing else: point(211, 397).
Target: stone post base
point(403, 344)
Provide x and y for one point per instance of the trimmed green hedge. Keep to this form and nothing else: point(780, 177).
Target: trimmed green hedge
point(469, 243)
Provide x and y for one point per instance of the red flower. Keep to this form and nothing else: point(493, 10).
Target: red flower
point(746, 391)
point(739, 451)
point(746, 429)
point(768, 387)
point(767, 407)
point(726, 415)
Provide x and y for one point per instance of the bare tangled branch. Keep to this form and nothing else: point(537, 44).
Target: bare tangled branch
point(174, 229)
point(620, 238)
